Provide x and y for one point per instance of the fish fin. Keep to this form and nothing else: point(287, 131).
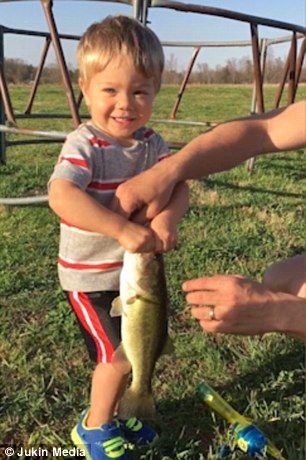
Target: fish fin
point(136, 404)
point(168, 347)
point(119, 354)
point(117, 307)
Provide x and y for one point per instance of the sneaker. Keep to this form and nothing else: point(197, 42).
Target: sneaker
point(102, 443)
point(138, 432)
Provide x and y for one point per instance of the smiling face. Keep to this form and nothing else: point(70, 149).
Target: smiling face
point(120, 99)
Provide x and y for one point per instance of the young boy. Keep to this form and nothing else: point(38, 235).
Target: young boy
point(120, 64)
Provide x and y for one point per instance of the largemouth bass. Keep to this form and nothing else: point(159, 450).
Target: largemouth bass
point(143, 303)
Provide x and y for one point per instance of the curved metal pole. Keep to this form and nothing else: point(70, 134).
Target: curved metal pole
point(191, 8)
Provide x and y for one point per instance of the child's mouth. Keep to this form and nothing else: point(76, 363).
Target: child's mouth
point(125, 121)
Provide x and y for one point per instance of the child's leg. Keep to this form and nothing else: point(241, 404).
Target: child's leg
point(108, 383)
point(287, 276)
point(102, 334)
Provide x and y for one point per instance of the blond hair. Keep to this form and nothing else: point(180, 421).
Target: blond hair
point(117, 35)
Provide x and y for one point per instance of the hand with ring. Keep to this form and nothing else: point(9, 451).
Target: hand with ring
point(236, 305)
point(211, 313)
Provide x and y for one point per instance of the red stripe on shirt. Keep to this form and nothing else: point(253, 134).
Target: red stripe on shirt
point(104, 185)
point(148, 133)
point(90, 266)
point(75, 161)
point(96, 142)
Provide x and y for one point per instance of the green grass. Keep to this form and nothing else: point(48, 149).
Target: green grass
point(237, 223)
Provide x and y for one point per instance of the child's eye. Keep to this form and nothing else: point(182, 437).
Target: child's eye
point(140, 92)
point(109, 90)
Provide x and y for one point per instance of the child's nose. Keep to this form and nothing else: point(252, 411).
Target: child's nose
point(124, 101)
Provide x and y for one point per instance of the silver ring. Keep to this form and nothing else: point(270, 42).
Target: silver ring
point(211, 313)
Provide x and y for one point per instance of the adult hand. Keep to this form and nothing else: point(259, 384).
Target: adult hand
point(240, 305)
point(142, 197)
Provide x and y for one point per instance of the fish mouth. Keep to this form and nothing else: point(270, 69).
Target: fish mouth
point(141, 257)
point(144, 260)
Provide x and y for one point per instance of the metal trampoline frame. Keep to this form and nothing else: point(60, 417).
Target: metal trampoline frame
point(141, 8)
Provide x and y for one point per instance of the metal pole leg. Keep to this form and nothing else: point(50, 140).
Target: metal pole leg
point(184, 82)
point(2, 115)
point(299, 65)
point(282, 83)
point(263, 55)
point(292, 70)
point(38, 75)
point(47, 7)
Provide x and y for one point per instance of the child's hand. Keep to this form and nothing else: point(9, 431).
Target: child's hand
point(137, 238)
point(165, 232)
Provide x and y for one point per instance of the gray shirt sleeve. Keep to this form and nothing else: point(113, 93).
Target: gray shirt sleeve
point(75, 162)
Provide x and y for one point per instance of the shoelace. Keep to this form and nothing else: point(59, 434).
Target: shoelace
point(114, 447)
point(133, 424)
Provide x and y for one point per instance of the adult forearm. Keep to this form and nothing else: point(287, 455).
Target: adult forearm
point(220, 149)
point(233, 142)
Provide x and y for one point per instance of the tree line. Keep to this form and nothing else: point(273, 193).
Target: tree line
point(234, 71)
point(18, 71)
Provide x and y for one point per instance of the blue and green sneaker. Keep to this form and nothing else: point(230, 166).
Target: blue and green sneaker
point(102, 443)
point(138, 432)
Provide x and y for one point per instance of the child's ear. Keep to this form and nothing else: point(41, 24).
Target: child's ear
point(83, 88)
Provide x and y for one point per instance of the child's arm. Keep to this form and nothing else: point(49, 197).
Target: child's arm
point(165, 223)
point(78, 208)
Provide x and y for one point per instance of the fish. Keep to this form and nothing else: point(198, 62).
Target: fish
point(143, 304)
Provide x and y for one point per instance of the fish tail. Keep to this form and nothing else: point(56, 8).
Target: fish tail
point(136, 404)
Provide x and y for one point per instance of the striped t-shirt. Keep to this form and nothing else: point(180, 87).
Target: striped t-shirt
point(98, 164)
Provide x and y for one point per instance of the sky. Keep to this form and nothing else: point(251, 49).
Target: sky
point(73, 17)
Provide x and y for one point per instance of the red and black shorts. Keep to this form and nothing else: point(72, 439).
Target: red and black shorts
point(101, 332)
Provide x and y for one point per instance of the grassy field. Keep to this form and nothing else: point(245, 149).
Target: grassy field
point(237, 223)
